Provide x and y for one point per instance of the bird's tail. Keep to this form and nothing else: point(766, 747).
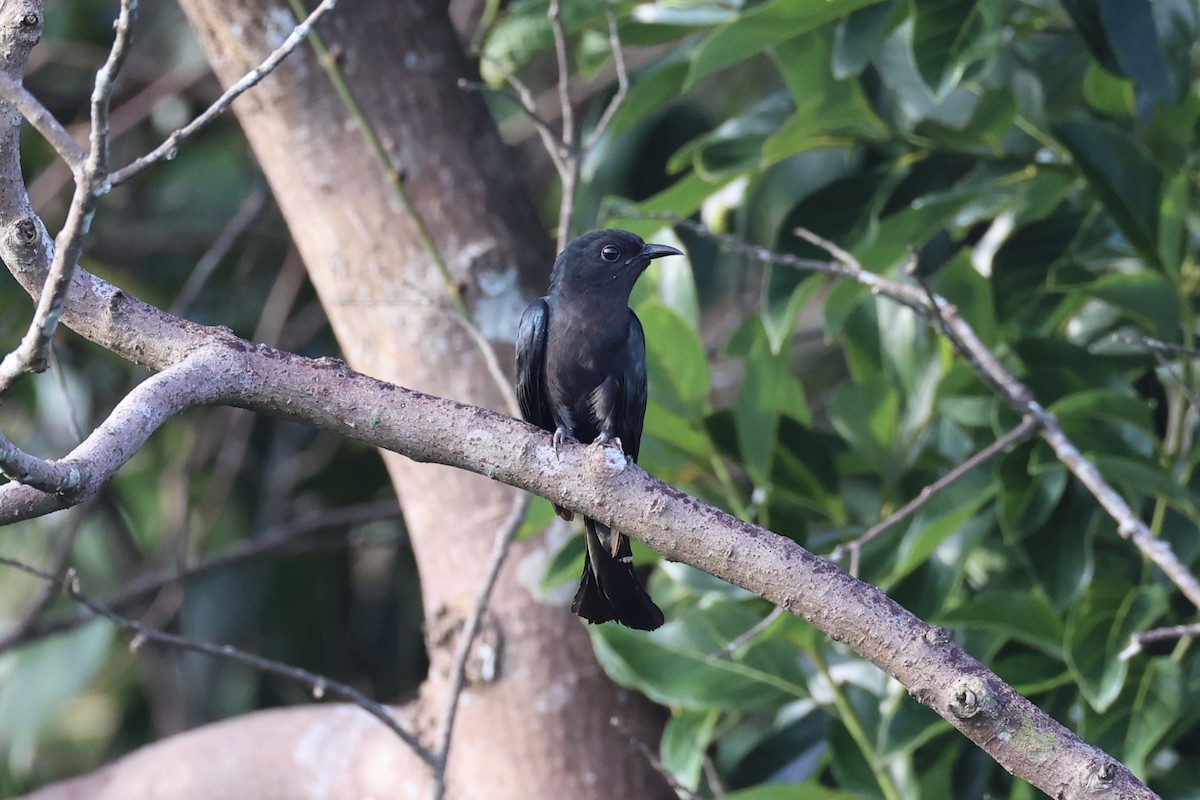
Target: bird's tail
point(609, 588)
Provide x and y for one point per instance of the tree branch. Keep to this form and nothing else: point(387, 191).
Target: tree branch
point(595, 481)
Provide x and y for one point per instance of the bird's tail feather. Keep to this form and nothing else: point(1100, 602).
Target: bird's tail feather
point(609, 588)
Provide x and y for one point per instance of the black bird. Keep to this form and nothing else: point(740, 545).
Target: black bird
point(581, 373)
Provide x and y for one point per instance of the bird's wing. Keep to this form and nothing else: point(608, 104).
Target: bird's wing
point(631, 400)
point(531, 365)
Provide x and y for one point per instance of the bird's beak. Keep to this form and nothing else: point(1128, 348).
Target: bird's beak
point(658, 251)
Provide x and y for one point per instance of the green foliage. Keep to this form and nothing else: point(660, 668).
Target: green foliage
point(1038, 161)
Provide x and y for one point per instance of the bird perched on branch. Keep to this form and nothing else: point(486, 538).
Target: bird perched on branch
point(581, 373)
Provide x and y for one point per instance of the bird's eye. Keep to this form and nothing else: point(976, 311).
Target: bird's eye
point(610, 253)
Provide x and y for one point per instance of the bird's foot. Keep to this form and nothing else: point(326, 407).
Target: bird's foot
point(562, 435)
point(607, 439)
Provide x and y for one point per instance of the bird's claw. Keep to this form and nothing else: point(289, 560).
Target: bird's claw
point(606, 439)
point(561, 435)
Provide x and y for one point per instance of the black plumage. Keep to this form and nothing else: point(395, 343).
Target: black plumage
point(581, 374)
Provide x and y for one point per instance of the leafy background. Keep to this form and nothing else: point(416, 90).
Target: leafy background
point(1039, 161)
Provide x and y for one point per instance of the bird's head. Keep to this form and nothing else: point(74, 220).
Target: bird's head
point(609, 261)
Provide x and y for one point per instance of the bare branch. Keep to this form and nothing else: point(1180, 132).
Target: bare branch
point(47, 476)
point(61, 559)
point(504, 539)
point(648, 754)
point(746, 635)
point(194, 381)
point(106, 77)
point(1139, 640)
point(614, 105)
point(170, 146)
point(319, 684)
point(43, 122)
point(571, 155)
point(854, 548)
point(522, 98)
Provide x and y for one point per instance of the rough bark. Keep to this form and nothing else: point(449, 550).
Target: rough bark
point(390, 308)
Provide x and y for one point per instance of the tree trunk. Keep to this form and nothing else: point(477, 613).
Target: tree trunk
point(542, 729)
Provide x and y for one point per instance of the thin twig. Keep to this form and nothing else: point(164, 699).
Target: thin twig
point(1138, 640)
point(61, 558)
point(43, 122)
point(295, 536)
point(571, 156)
point(170, 146)
point(492, 362)
point(741, 639)
point(653, 760)
point(854, 548)
point(106, 78)
point(318, 684)
point(521, 97)
point(614, 105)
point(247, 212)
point(60, 376)
point(504, 539)
point(1158, 345)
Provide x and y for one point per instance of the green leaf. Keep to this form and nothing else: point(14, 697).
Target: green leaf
point(1160, 701)
point(1019, 614)
point(1107, 93)
point(566, 565)
point(945, 41)
point(675, 360)
point(684, 197)
point(736, 146)
point(911, 726)
point(829, 112)
point(804, 467)
point(935, 524)
point(672, 279)
point(685, 740)
point(538, 515)
point(1122, 177)
point(1172, 228)
point(1133, 38)
point(866, 415)
point(768, 391)
point(1027, 497)
point(1145, 477)
point(675, 665)
point(1098, 629)
point(1146, 297)
point(859, 36)
point(39, 678)
point(762, 26)
point(651, 90)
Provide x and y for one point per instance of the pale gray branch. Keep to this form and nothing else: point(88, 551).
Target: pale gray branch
point(43, 122)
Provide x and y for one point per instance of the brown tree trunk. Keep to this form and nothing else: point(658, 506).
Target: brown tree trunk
point(542, 729)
